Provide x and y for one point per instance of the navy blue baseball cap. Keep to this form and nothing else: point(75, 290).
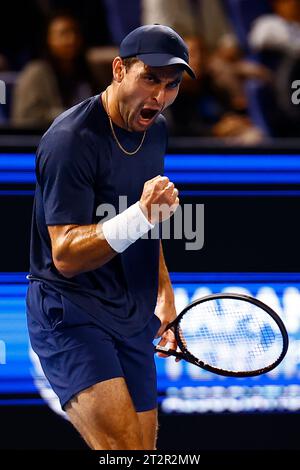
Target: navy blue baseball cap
point(156, 45)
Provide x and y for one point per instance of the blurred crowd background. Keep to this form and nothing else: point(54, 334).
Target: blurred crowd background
point(246, 53)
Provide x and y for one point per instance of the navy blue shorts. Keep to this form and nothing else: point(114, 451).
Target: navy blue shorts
point(76, 354)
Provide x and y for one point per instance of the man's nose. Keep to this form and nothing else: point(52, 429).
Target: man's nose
point(159, 94)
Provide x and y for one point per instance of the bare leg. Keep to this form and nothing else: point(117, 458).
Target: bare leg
point(105, 416)
point(148, 422)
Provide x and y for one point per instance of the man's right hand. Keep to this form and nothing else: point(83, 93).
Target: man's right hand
point(159, 199)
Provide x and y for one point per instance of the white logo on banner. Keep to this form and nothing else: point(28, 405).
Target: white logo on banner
point(2, 92)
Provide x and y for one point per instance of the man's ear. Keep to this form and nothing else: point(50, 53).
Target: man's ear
point(118, 69)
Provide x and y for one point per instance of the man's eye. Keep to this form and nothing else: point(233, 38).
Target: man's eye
point(173, 85)
point(149, 79)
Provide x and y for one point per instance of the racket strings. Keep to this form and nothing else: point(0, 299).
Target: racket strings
point(231, 334)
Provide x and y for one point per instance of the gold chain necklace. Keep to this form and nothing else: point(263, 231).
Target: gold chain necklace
point(114, 134)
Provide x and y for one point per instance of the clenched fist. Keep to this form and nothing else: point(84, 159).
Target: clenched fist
point(159, 199)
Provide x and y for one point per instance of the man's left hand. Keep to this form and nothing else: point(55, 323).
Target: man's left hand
point(166, 312)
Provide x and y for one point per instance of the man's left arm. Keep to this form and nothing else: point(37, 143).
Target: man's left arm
point(165, 307)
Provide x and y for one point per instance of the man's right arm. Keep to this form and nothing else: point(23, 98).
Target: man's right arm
point(79, 248)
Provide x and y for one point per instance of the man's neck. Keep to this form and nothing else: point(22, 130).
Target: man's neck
point(110, 104)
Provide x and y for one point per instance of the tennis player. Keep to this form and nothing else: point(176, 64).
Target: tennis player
point(99, 293)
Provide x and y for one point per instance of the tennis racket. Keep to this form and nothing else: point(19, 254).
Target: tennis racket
point(229, 334)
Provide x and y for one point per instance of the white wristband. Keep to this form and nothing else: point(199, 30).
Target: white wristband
point(124, 229)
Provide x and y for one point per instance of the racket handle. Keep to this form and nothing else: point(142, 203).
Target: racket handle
point(168, 352)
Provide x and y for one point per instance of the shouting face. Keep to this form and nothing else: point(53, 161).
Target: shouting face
point(142, 93)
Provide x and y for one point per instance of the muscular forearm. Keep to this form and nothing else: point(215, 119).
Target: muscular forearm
point(165, 289)
point(165, 306)
point(80, 249)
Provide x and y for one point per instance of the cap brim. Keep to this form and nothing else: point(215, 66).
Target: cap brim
point(160, 60)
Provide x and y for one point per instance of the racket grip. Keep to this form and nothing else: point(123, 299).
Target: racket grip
point(168, 352)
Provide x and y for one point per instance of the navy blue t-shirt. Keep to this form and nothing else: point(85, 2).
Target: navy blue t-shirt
point(78, 167)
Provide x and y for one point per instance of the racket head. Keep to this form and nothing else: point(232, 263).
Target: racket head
point(272, 329)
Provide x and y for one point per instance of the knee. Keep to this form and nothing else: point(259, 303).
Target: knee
point(127, 437)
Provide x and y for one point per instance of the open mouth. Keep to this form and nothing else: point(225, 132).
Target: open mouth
point(147, 113)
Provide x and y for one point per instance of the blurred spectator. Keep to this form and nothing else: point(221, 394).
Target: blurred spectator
point(215, 104)
point(279, 31)
point(277, 38)
point(200, 18)
point(47, 87)
point(238, 129)
point(23, 24)
point(92, 15)
point(228, 70)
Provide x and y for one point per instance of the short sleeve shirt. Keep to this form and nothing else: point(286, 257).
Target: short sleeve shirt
point(79, 167)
